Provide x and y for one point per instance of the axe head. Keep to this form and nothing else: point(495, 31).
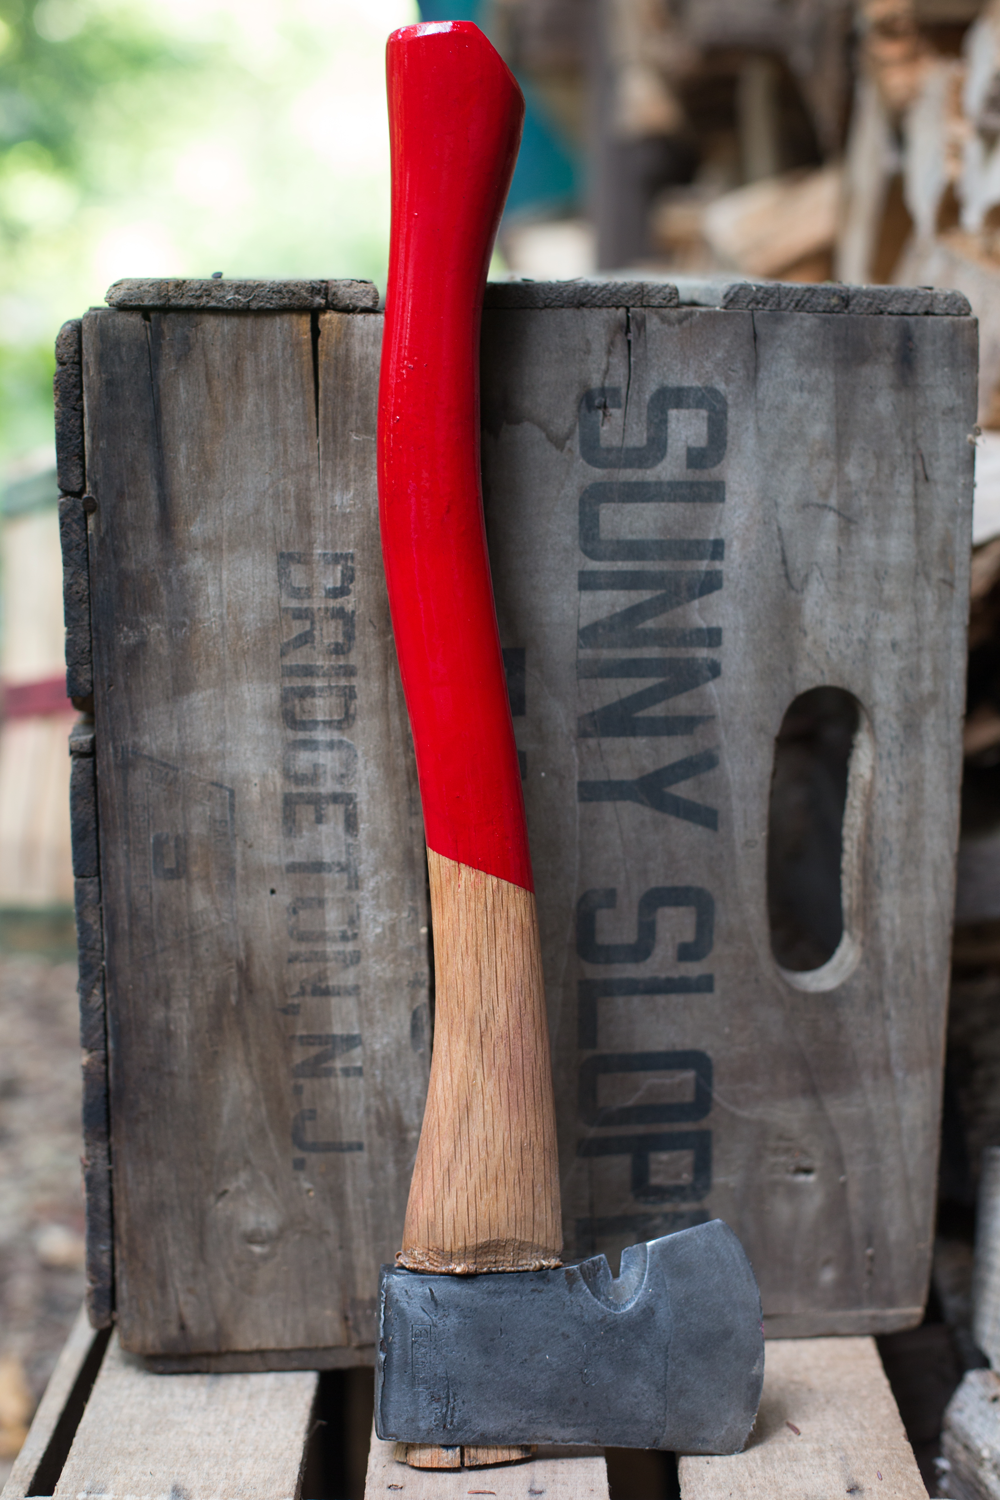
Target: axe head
point(670, 1354)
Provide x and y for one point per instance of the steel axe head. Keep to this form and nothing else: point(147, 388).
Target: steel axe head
point(670, 1354)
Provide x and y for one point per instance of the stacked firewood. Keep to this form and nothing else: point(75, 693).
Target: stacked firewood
point(799, 139)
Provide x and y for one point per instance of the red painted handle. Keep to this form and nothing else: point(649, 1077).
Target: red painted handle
point(455, 116)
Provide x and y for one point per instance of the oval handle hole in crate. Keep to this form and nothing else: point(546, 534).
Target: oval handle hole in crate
point(821, 776)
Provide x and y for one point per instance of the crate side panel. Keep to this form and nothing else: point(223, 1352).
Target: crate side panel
point(731, 509)
point(233, 746)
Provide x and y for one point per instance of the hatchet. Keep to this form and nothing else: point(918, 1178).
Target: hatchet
point(486, 1341)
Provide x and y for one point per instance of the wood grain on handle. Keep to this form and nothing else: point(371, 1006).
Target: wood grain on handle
point(485, 1188)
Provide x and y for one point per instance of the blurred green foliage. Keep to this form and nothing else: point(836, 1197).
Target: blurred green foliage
point(179, 137)
point(71, 79)
point(60, 67)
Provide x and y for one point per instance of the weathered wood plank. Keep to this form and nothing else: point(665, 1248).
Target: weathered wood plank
point(83, 811)
point(263, 884)
point(68, 394)
point(51, 1408)
point(207, 1438)
point(715, 512)
point(76, 597)
point(735, 296)
point(986, 1275)
point(217, 294)
point(970, 1439)
point(829, 297)
point(96, 1121)
point(828, 1425)
point(556, 1473)
point(584, 293)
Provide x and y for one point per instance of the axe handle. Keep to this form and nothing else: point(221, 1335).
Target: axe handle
point(485, 1189)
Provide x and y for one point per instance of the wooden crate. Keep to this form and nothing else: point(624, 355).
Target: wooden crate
point(802, 464)
point(828, 1426)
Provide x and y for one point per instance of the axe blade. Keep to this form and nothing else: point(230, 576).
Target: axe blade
point(668, 1355)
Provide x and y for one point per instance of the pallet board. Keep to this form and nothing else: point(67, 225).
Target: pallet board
point(261, 861)
point(827, 1425)
point(148, 1435)
point(695, 514)
point(39, 1463)
point(970, 1438)
point(242, 1437)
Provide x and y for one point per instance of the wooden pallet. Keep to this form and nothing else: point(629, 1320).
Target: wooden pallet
point(107, 1428)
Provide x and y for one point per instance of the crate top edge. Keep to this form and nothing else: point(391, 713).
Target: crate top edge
point(729, 296)
point(180, 294)
point(215, 295)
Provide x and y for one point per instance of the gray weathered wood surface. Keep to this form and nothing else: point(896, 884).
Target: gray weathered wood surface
point(831, 297)
point(241, 1437)
point(986, 1273)
point(606, 292)
point(735, 296)
point(46, 1420)
point(67, 390)
point(827, 1426)
point(970, 1438)
point(96, 1159)
point(806, 486)
point(219, 295)
point(262, 877)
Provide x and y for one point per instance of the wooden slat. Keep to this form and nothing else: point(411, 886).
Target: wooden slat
point(50, 1408)
point(737, 296)
point(556, 1473)
point(262, 873)
point(203, 1436)
point(954, 259)
point(216, 293)
point(68, 392)
point(827, 1426)
point(602, 293)
point(818, 536)
point(970, 1439)
point(76, 597)
point(96, 1120)
point(986, 1276)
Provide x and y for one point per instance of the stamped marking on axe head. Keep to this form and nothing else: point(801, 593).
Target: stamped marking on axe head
point(670, 1354)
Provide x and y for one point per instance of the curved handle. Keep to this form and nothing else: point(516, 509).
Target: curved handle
point(484, 1195)
point(455, 116)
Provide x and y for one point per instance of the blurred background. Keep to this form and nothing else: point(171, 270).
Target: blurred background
point(856, 140)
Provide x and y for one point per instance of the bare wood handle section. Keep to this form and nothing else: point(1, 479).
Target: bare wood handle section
point(485, 1188)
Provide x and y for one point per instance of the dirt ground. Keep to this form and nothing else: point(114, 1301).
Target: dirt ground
point(41, 1197)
